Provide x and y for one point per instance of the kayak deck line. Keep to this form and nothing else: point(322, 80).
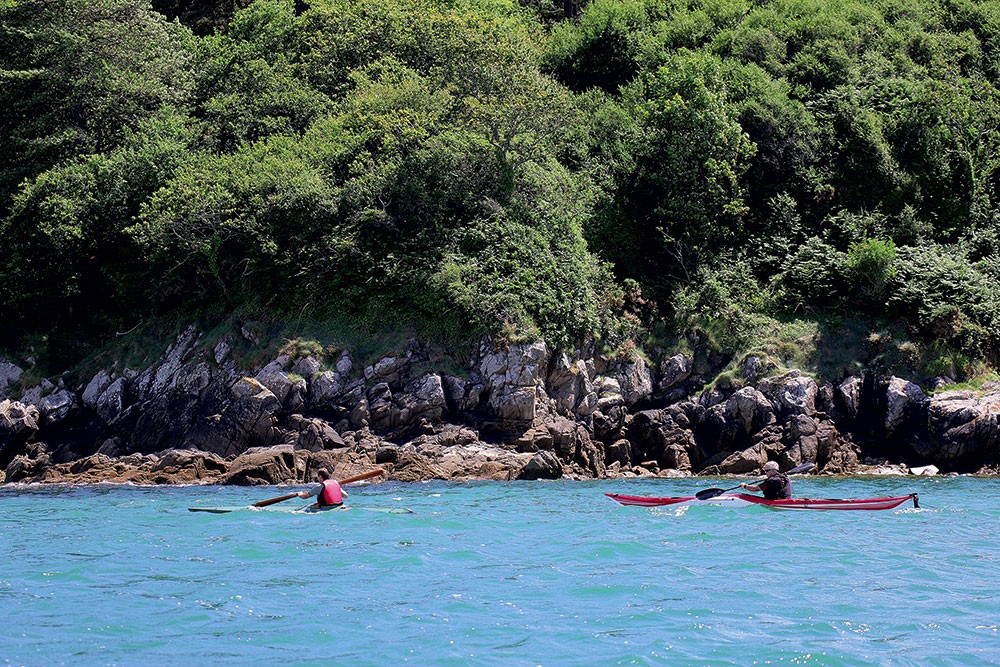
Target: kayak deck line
point(745, 499)
point(299, 510)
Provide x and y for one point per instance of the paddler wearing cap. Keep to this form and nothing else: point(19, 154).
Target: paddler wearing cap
point(777, 486)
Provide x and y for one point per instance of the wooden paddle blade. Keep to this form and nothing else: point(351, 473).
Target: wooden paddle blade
point(271, 501)
point(364, 475)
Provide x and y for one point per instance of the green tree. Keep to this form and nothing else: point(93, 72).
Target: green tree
point(75, 75)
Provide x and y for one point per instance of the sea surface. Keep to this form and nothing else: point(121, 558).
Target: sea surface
point(524, 573)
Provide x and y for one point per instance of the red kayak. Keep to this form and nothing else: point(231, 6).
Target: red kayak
point(744, 499)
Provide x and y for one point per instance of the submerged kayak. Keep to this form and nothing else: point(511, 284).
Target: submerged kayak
point(299, 510)
point(744, 500)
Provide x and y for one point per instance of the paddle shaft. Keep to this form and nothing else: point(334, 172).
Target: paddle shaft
point(289, 496)
point(712, 493)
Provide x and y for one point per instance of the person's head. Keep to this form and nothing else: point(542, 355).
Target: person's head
point(322, 474)
point(771, 468)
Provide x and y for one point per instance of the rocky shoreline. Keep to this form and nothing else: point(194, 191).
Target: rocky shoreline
point(508, 412)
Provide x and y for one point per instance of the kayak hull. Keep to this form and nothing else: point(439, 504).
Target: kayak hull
point(745, 499)
point(299, 510)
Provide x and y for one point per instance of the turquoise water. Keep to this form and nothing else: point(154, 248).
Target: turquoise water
point(543, 573)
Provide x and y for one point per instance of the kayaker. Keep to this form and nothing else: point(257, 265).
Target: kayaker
point(328, 492)
point(776, 487)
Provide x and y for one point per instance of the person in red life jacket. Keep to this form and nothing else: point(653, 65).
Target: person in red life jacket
point(328, 492)
point(776, 487)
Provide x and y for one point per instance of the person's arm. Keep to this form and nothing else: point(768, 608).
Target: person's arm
point(750, 487)
point(311, 492)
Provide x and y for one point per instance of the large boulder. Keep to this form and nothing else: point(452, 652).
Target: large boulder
point(513, 377)
point(964, 429)
point(905, 403)
point(791, 393)
point(569, 386)
point(18, 424)
point(663, 436)
point(543, 465)
point(267, 465)
point(9, 374)
point(463, 395)
point(249, 418)
point(673, 371)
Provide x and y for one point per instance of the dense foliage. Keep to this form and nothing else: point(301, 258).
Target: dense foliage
point(493, 166)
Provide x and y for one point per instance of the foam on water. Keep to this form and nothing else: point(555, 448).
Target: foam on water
point(490, 573)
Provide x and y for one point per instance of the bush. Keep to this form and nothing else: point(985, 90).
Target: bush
point(871, 268)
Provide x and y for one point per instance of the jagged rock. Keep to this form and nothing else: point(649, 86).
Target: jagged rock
point(609, 393)
point(341, 464)
point(572, 443)
point(307, 366)
point(315, 435)
point(18, 422)
point(673, 371)
point(619, 454)
point(266, 465)
point(344, 364)
point(635, 380)
point(9, 374)
point(422, 399)
point(290, 392)
point(657, 435)
point(543, 465)
point(157, 379)
point(925, 471)
point(222, 349)
point(849, 393)
point(749, 410)
point(464, 395)
point(354, 400)
point(22, 468)
point(34, 395)
point(964, 428)
point(744, 461)
point(249, 419)
point(802, 438)
point(381, 409)
point(187, 466)
point(840, 457)
point(903, 399)
point(609, 426)
point(569, 386)
point(324, 390)
point(104, 395)
point(389, 369)
point(57, 406)
point(790, 393)
point(513, 377)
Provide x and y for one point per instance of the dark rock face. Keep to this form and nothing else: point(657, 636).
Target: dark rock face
point(515, 412)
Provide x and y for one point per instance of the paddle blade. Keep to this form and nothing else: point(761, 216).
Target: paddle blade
point(709, 493)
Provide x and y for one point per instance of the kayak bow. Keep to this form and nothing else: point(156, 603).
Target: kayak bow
point(745, 499)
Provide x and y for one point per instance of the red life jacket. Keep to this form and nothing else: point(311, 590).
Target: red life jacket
point(331, 494)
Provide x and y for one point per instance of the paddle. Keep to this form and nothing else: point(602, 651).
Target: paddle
point(706, 494)
point(289, 496)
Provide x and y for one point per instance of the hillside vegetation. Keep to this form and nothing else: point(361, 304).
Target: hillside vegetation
point(745, 170)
